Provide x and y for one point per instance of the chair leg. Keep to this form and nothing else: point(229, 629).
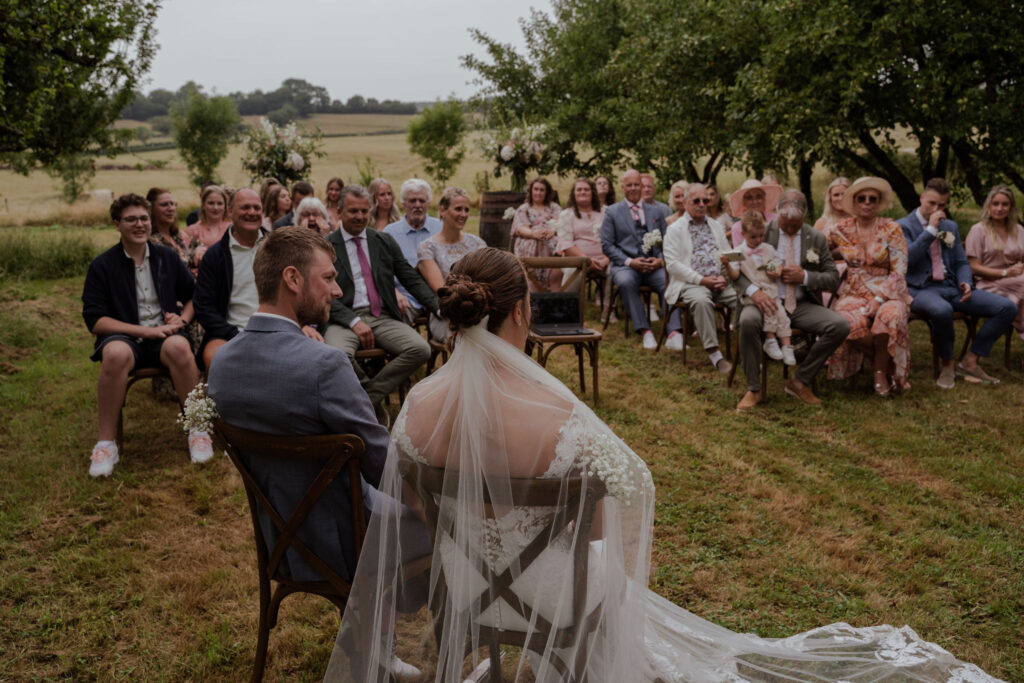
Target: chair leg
point(495, 662)
point(764, 374)
point(579, 362)
point(593, 365)
point(685, 313)
point(262, 634)
point(1006, 348)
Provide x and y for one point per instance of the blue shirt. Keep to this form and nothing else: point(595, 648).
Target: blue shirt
point(409, 241)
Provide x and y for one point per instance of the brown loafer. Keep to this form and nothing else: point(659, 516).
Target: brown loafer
point(795, 387)
point(749, 400)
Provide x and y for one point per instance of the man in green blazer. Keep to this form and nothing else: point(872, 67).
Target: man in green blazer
point(367, 314)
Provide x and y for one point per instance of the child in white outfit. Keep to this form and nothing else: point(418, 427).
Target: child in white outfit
point(760, 267)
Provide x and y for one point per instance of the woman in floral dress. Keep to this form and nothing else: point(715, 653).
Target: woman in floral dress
point(873, 297)
point(534, 230)
point(164, 216)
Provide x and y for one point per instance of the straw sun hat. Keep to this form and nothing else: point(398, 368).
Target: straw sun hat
point(879, 185)
point(772, 192)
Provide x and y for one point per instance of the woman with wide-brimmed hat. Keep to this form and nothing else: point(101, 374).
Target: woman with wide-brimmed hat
point(753, 195)
point(873, 297)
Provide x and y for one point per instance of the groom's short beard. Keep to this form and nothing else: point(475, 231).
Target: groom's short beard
point(310, 312)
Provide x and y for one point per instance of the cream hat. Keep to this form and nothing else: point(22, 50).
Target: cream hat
point(879, 185)
point(772, 192)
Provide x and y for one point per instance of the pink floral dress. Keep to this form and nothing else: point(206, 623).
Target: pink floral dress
point(531, 217)
point(876, 270)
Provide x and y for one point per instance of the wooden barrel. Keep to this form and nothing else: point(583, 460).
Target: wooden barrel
point(494, 228)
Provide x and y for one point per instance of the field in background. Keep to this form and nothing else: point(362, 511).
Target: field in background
point(35, 200)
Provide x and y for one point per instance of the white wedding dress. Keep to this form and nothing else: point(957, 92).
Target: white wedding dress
point(492, 413)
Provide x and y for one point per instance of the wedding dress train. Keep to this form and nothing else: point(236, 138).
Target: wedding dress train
point(492, 413)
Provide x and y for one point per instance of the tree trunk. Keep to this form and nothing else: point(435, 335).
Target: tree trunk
point(902, 186)
point(962, 150)
point(804, 170)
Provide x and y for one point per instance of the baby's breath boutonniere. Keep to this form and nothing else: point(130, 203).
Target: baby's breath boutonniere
point(947, 238)
point(597, 229)
point(812, 256)
point(651, 240)
point(199, 412)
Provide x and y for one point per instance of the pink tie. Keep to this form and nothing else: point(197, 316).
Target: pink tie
point(371, 289)
point(938, 274)
point(790, 302)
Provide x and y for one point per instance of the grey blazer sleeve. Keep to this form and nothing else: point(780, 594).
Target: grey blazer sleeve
point(608, 245)
point(824, 276)
point(338, 400)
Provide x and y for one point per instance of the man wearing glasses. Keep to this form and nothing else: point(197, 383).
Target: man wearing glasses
point(130, 301)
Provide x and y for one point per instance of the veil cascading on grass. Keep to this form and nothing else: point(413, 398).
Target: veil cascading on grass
point(492, 413)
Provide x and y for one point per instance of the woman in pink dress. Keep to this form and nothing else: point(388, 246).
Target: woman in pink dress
point(995, 250)
point(579, 229)
point(213, 209)
point(753, 195)
point(873, 297)
point(533, 230)
point(331, 196)
point(833, 212)
point(383, 211)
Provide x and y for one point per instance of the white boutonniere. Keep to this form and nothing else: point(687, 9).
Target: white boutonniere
point(652, 239)
point(947, 238)
point(597, 229)
point(510, 213)
point(199, 412)
point(812, 256)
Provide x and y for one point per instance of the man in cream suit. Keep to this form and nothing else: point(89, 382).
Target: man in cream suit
point(693, 246)
point(367, 314)
point(809, 269)
point(622, 234)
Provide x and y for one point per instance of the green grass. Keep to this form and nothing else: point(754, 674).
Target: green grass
point(902, 511)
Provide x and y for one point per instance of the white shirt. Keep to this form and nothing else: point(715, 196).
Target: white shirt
point(150, 314)
point(360, 298)
point(244, 299)
point(275, 315)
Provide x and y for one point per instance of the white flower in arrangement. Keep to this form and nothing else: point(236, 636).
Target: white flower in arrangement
point(268, 128)
point(509, 214)
point(651, 240)
point(199, 412)
point(507, 152)
point(597, 229)
point(947, 238)
point(812, 256)
point(295, 161)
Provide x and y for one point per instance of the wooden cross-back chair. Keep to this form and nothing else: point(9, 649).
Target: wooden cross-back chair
point(971, 325)
point(133, 377)
point(722, 312)
point(582, 343)
point(338, 452)
point(567, 496)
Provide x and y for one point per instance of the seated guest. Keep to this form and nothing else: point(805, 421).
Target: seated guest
point(130, 302)
point(647, 191)
point(226, 287)
point(164, 222)
point(995, 250)
point(438, 254)
point(331, 196)
point(276, 203)
point(716, 209)
point(193, 216)
point(300, 191)
point(692, 248)
point(311, 213)
point(807, 271)
point(753, 195)
point(367, 314)
point(533, 230)
point(939, 278)
point(579, 228)
point(383, 211)
point(622, 240)
point(833, 212)
point(873, 298)
point(410, 231)
point(273, 379)
point(213, 220)
point(605, 190)
point(677, 201)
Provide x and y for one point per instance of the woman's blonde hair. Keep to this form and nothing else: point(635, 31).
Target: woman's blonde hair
point(829, 213)
point(1011, 217)
point(394, 214)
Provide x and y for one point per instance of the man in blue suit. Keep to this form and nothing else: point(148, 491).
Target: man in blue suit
point(622, 234)
point(939, 278)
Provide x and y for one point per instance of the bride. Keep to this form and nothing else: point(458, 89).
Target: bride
point(491, 414)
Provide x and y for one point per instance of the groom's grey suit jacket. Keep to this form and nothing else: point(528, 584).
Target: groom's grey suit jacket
point(272, 378)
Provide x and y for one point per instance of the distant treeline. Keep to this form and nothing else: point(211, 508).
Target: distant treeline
point(296, 97)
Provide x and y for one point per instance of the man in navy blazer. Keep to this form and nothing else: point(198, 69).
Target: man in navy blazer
point(939, 278)
point(622, 234)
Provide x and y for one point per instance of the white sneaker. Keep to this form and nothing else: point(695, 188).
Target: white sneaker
point(787, 355)
point(104, 457)
point(675, 342)
point(649, 343)
point(200, 447)
point(402, 670)
point(652, 313)
point(771, 347)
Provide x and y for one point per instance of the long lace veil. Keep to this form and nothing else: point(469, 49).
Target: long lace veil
point(491, 414)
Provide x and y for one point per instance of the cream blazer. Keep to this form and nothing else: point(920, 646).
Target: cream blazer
point(678, 249)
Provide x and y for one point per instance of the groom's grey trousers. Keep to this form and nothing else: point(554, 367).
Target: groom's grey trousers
point(809, 316)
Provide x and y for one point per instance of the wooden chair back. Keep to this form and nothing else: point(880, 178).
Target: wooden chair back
point(338, 453)
point(579, 264)
point(571, 505)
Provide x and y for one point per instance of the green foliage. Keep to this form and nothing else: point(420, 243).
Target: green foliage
point(366, 171)
point(143, 133)
point(45, 255)
point(436, 135)
point(203, 127)
point(279, 152)
point(75, 171)
point(283, 115)
point(69, 68)
point(161, 124)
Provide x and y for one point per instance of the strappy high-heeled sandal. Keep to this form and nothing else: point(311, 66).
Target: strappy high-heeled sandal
point(883, 387)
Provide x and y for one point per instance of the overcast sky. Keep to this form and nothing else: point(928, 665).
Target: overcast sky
point(389, 49)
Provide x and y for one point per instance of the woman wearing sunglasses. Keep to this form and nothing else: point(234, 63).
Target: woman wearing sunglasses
point(873, 297)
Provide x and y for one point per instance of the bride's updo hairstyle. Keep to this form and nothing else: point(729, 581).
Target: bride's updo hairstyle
point(487, 282)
